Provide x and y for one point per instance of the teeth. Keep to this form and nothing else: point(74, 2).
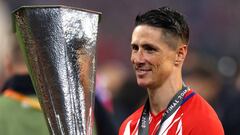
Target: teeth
point(142, 69)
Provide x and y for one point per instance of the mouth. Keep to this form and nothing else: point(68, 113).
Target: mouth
point(142, 71)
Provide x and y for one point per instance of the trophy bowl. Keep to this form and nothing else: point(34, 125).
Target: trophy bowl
point(59, 47)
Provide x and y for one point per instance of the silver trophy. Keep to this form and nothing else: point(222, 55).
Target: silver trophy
point(59, 44)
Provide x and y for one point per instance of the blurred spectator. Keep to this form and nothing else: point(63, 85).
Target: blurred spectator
point(20, 111)
point(5, 31)
point(104, 121)
point(204, 82)
point(128, 100)
point(205, 79)
point(117, 96)
point(110, 78)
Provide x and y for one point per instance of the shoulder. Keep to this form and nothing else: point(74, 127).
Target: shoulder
point(207, 123)
point(131, 122)
point(199, 106)
point(200, 117)
point(196, 105)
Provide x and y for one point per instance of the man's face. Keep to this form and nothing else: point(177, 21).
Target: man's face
point(152, 59)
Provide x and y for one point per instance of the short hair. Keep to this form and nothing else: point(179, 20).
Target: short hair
point(171, 22)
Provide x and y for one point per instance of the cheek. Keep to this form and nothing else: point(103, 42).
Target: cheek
point(156, 62)
point(159, 69)
point(132, 58)
point(163, 66)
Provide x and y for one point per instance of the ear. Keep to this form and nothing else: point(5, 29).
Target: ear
point(181, 54)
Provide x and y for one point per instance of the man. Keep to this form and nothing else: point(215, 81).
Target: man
point(4, 38)
point(20, 111)
point(159, 47)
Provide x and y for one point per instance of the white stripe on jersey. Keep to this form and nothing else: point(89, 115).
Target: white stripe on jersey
point(167, 122)
point(165, 127)
point(179, 129)
point(136, 128)
point(156, 127)
point(127, 129)
point(176, 120)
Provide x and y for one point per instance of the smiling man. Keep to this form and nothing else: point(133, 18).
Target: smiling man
point(159, 47)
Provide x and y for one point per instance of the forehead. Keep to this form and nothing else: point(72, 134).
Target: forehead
point(144, 30)
point(146, 33)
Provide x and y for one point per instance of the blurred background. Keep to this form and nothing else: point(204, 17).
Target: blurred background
point(211, 68)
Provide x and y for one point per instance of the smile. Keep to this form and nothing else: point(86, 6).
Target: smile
point(142, 71)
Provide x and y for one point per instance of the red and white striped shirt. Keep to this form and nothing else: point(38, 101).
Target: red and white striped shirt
point(194, 117)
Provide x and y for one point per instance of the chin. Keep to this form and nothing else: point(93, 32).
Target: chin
point(143, 84)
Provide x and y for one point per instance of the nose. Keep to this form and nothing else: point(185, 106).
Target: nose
point(137, 57)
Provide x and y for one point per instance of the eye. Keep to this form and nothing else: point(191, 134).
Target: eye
point(135, 48)
point(149, 48)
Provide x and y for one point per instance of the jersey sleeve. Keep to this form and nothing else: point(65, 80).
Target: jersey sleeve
point(123, 128)
point(209, 125)
point(200, 118)
point(207, 129)
point(128, 125)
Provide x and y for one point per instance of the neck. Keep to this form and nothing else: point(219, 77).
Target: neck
point(160, 97)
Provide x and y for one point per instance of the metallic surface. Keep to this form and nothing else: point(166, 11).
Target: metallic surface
point(59, 46)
